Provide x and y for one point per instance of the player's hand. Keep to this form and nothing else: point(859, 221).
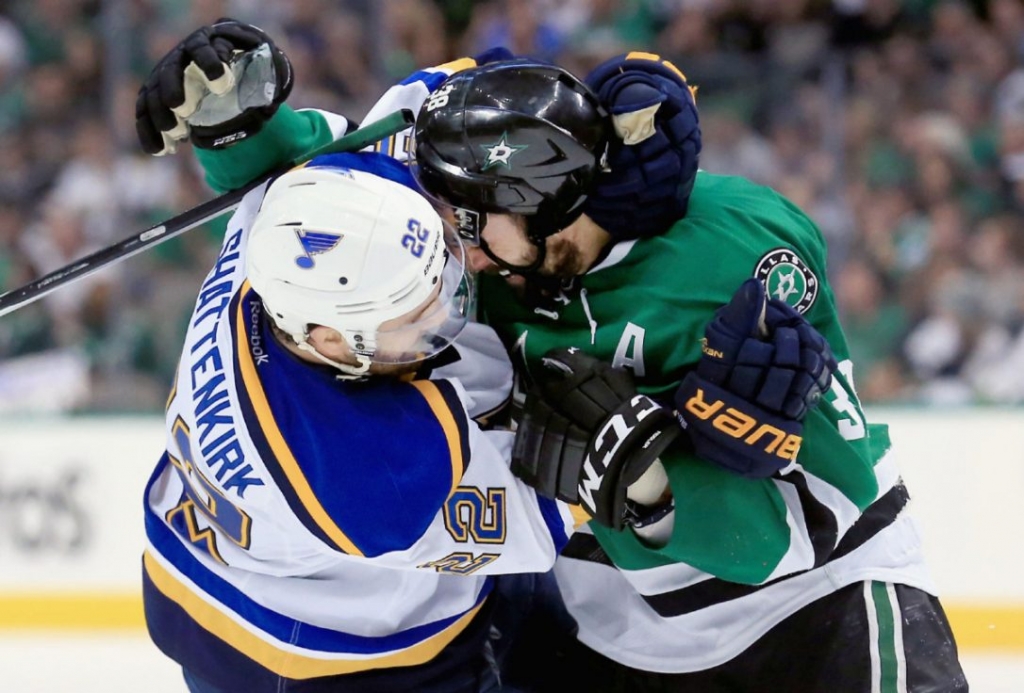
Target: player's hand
point(216, 87)
point(586, 435)
point(762, 369)
point(653, 163)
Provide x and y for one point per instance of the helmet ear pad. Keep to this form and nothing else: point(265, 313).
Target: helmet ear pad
point(513, 137)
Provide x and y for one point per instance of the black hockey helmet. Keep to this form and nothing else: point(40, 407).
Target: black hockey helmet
point(512, 137)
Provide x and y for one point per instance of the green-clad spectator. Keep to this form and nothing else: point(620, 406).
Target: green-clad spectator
point(875, 326)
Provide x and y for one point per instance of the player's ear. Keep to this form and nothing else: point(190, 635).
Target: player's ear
point(328, 342)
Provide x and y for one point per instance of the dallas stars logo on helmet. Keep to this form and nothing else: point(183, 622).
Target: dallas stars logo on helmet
point(500, 153)
point(788, 278)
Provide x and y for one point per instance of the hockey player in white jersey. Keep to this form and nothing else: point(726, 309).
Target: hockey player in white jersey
point(329, 515)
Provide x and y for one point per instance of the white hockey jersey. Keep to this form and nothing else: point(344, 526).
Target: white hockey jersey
point(302, 526)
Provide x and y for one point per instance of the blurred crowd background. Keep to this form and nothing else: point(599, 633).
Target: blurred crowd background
point(898, 126)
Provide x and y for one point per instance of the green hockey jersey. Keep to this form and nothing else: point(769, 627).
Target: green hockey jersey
point(645, 308)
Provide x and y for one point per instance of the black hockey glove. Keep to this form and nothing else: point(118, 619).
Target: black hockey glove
point(218, 86)
point(586, 435)
point(763, 367)
point(652, 164)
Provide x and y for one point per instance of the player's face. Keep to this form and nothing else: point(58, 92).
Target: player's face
point(563, 256)
point(400, 339)
point(399, 335)
point(505, 235)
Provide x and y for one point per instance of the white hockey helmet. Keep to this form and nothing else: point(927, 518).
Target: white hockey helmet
point(364, 255)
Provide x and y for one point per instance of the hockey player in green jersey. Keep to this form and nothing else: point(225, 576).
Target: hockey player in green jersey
point(738, 574)
point(735, 576)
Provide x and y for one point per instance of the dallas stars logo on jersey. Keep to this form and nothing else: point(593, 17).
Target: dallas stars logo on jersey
point(500, 153)
point(788, 278)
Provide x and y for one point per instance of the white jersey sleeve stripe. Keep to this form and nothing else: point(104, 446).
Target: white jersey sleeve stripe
point(410, 94)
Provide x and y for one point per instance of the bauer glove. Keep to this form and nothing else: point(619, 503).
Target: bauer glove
point(652, 165)
point(495, 54)
point(218, 86)
point(763, 367)
point(586, 435)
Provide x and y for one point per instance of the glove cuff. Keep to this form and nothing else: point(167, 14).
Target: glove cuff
point(729, 431)
point(627, 444)
point(235, 130)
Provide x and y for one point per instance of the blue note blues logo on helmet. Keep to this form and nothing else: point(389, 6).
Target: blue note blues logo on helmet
point(314, 244)
point(500, 153)
point(788, 278)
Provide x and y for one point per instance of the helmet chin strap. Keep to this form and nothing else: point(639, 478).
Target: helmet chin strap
point(507, 268)
point(350, 372)
point(540, 289)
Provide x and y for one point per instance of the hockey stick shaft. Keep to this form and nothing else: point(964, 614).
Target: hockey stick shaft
point(198, 215)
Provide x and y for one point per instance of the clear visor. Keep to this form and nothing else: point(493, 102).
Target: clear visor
point(432, 326)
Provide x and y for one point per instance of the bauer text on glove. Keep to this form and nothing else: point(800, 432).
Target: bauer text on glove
point(763, 366)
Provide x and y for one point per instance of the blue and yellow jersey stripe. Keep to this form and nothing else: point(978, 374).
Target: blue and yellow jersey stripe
point(366, 469)
point(270, 441)
point(213, 613)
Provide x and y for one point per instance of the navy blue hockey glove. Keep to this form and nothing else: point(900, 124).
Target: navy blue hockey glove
point(652, 165)
point(495, 54)
point(218, 86)
point(586, 435)
point(762, 369)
